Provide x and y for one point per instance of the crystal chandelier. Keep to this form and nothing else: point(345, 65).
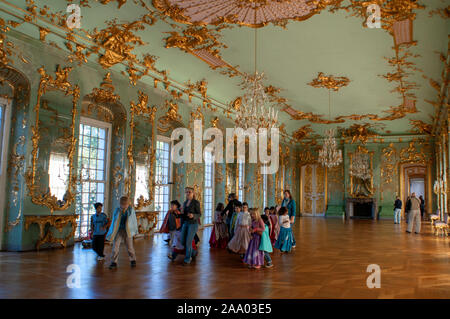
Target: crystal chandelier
point(360, 166)
point(330, 155)
point(255, 110)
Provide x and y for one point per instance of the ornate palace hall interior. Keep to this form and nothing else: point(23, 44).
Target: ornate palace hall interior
point(330, 261)
point(321, 126)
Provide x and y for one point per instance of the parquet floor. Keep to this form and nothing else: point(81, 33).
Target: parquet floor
point(330, 261)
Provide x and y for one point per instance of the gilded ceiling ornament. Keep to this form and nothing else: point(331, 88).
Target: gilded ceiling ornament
point(441, 101)
point(442, 12)
point(390, 10)
point(359, 132)
point(119, 40)
point(43, 33)
point(329, 82)
point(253, 13)
point(195, 38)
point(120, 3)
point(421, 127)
point(302, 132)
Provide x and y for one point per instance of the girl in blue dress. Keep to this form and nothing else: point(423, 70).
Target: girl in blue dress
point(285, 240)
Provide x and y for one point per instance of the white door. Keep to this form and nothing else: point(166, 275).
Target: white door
point(313, 190)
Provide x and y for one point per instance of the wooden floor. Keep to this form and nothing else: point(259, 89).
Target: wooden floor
point(330, 261)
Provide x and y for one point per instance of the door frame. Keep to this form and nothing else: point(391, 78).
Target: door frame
point(325, 190)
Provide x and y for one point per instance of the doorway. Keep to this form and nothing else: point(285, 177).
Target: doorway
point(313, 190)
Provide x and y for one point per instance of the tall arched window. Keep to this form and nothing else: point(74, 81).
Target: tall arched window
point(208, 189)
point(241, 180)
point(265, 186)
point(93, 160)
point(163, 170)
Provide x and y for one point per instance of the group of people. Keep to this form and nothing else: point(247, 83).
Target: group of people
point(252, 235)
point(414, 210)
point(238, 228)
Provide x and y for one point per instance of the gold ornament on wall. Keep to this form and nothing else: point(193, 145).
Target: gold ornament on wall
point(59, 82)
point(141, 109)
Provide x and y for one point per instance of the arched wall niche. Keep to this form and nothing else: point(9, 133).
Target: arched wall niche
point(15, 89)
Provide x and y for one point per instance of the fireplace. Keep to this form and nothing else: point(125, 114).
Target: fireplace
point(361, 208)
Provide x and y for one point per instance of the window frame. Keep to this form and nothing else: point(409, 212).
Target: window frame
point(241, 179)
point(212, 186)
point(108, 126)
point(164, 139)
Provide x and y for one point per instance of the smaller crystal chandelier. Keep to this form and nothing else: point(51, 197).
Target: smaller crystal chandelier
point(255, 110)
point(360, 167)
point(330, 155)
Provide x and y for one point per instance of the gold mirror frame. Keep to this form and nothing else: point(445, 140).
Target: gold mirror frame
point(46, 83)
point(141, 108)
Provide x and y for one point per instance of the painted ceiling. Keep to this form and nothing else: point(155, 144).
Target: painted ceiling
point(174, 39)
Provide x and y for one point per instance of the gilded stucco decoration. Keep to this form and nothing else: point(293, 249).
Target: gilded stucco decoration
point(389, 161)
point(194, 38)
point(101, 100)
point(45, 233)
point(421, 127)
point(358, 133)
point(141, 109)
point(302, 133)
point(58, 82)
point(390, 11)
point(411, 154)
point(172, 119)
point(329, 82)
point(252, 13)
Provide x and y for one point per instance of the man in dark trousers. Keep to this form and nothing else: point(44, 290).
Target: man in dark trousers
point(397, 210)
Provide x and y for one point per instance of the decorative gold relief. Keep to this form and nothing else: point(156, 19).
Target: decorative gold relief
point(57, 221)
point(171, 120)
point(329, 82)
point(59, 82)
point(388, 169)
point(152, 221)
point(412, 155)
point(302, 132)
point(358, 132)
point(141, 109)
point(421, 127)
point(195, 38)
point(119, 40)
